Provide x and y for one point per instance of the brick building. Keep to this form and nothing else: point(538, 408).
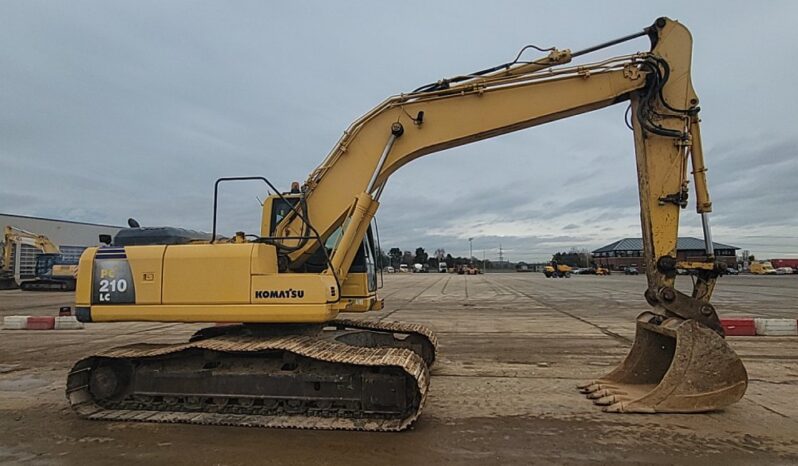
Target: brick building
point(628, 252)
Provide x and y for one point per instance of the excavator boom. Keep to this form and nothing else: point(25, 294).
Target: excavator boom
point(314, 258)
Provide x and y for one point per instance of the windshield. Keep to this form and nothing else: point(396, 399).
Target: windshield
point(280, 209)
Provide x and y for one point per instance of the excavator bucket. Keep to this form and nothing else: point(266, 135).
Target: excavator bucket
point(674, 366)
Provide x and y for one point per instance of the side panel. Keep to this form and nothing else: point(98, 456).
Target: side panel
point(207, 274)
point(356, 286)
point(264, 259)
point(146, 266)
point(203, 283)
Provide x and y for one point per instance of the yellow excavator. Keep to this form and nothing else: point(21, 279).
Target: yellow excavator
point(52, 271)
point(288, 360)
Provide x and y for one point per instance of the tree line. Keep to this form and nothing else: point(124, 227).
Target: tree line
point(396, 256)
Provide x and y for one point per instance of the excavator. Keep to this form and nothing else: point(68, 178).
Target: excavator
point(286, 357)
point(52, 271)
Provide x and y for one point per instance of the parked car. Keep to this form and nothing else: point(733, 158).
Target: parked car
point(390, 269)
point(631, 271)
point(784, 271)
point(732, 271)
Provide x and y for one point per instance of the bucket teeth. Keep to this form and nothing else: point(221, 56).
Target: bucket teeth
point(589, 387)
point(599, 394)
point(613, 408)
point(606, 400)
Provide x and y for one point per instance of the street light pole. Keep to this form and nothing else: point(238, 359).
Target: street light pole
point(470, 251)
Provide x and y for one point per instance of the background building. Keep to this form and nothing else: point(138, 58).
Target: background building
point(628, 252)
point(71, 238)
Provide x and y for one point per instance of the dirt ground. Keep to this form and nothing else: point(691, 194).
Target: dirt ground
point(512, 349)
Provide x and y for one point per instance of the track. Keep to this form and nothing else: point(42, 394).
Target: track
point(287, 381)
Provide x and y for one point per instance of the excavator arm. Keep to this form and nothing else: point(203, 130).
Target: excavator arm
point(50, 275)
point(343, 192)
point(14, 235)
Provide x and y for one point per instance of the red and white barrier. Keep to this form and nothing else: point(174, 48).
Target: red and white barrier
point(750, 327)
point(739, 327)
point(68, 323)
point(777, 327)
point(15, 322)
point(41, 323)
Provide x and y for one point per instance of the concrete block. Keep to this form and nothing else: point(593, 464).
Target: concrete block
point(41, 323)
point(15, 322)
point(68, 323)
point(776, 327)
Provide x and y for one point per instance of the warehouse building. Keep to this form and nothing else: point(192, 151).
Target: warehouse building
point(628, 252)
point(71, 238)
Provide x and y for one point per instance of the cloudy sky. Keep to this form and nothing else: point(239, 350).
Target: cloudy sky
point(116, 109)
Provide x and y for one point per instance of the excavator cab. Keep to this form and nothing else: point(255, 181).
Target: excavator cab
point(44, 265)
point(359, 289)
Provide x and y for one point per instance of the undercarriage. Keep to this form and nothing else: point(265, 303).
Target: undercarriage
point(356, 375)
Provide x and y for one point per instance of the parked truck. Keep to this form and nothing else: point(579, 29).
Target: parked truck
point(785, 264)
point(555, 270)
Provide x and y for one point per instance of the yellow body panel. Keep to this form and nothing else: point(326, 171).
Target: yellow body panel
point(146, 263)
point(356, 296)
point(264, 260)
point(83, 286)
point(210, 283)
point(207, 273)
point(356, 286)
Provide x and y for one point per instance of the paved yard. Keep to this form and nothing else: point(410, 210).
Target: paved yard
point(513, 347)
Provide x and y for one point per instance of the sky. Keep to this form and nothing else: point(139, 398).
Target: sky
point(110, 110)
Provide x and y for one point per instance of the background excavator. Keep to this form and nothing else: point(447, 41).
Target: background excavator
point(52, 272)
point(289, 361)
